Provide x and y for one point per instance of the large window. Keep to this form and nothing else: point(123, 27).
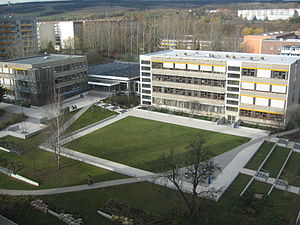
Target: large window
point(192, 93)
point(189, 80)
point(249, 72)
point(262, 115)
point(234, 68)
point(279, 74)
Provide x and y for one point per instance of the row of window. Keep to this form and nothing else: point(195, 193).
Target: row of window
point(70, 77)
point(189, 105)
point(189, 80)
point(262, 115)
point(189, 67)
point(184, 92)
point(265, 73)
point(59, 69)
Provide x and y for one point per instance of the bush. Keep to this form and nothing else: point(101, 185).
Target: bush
point(178, 113)
point(16, 119)
point(123, 101)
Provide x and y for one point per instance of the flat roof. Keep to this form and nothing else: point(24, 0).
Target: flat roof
point(116, 69)
point(226, 56)
point(42, 59)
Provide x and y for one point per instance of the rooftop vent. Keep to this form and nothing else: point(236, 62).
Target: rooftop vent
point(262, 58)
point(233, 56)
point(251, 58)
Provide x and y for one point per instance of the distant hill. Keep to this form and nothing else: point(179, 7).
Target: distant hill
point(85, 7)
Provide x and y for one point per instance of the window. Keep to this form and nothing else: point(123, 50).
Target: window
point(232, 96)
point(232, 102)
point(157, 65)
point(145, 62)
point(145, 68)
point(233, 75)
point(146, 97)
point(249, 72)
point(145, 74)
point(233, 82)
point(262, 115)
point(279, 74)
point(146, 80)
point(145, 91)
point(234, 109)
point(146, 85)
point(234, 68)
point(234, 89)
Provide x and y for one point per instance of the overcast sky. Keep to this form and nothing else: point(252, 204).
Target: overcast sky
point(19, 1)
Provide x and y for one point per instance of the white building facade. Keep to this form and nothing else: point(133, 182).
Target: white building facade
point(58, 32)
point(268, 14)
point(253, 88)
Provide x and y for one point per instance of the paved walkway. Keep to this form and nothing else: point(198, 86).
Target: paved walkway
point(75, 117)
point(102, 163)
point(92, 128)
point(74, 188)
point(5, 221)
point(229, 173)
point(199, 124)
point(270, 180)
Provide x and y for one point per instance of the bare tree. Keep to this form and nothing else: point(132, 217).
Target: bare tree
point(201, 170)
point(55, 125)
point(32, 152)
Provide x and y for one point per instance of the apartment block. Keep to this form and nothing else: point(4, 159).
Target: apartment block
point(35, 80)
point(18, 37)
point(253, 88)
point(58, 32)
point(184, 44)
point(268, 14)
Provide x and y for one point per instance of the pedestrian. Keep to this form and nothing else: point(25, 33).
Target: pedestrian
point(92, 181)
point(89, 180)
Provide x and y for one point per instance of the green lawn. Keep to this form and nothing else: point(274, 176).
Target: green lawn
point(259, 187)
point(276, 160)
point(139, 142)
point(92, 115)
point(72, 172)
point(260, 155)
point(291, 171)
point(162, 202)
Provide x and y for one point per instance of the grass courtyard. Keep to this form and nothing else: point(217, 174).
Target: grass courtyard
point(276, 160)
point(92, 115)
point(72, 172)
point(291, 171)
point(260, 155)
point(140, 142)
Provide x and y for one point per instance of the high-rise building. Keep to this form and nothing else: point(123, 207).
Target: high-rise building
point(35, 80)
point(253, 88)
point(18, 37)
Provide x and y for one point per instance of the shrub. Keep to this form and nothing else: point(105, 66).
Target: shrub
point(16, 119)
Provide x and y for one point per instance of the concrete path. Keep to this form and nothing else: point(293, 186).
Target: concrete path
point(75, 117)
point(75, 188)
point(93, 127)
point(270, 180)
point(229, 173)
point(199, 124)
point(102, 163)
point(5, 221)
